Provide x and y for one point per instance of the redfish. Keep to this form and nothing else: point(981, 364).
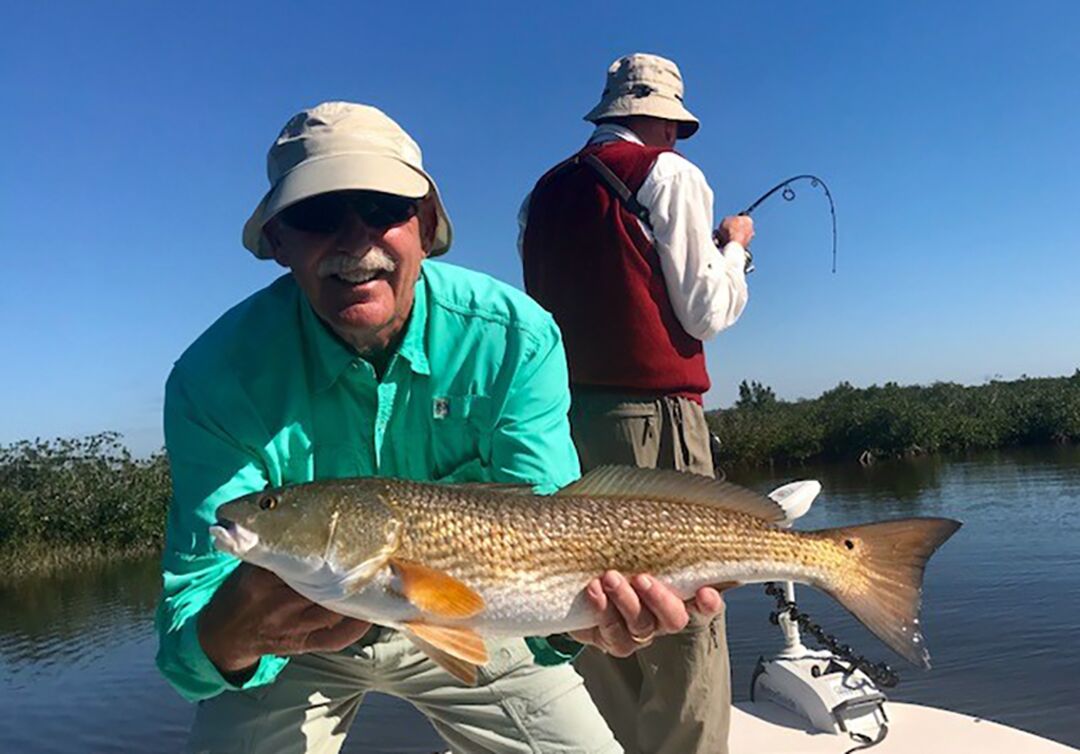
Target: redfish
point(451, 564)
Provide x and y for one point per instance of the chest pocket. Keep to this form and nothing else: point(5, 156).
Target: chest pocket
point(461, 430)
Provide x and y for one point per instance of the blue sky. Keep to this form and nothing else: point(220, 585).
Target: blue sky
point(135, 136)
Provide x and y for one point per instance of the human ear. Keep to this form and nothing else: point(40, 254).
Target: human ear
point(272, 233)
point(429, 222)
point(671, 132)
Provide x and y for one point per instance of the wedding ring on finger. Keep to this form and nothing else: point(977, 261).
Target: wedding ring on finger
point(643, 639)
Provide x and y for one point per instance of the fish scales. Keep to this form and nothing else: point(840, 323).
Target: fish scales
point(487, 539)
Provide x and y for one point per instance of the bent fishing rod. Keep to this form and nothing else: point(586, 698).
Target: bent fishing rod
point(788, 193)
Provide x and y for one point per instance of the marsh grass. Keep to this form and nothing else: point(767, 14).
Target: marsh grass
point(20, 560)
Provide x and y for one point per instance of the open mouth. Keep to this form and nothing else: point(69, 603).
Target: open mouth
point(359, 277)
point(232, 538)
point(352, 269)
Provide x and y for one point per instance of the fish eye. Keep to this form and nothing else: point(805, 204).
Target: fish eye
point(849, 544)
point(268, 503)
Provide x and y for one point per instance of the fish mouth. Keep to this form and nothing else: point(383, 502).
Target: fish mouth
point(233, 538)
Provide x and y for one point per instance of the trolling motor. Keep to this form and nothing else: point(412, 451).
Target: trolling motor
point(831, 689)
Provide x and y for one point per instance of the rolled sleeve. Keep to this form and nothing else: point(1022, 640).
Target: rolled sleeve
point(546, 653)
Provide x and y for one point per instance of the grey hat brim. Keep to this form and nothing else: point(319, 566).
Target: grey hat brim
point(345, 172)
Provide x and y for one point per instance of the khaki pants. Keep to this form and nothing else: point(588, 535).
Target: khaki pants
point(673, 697)
point(516, 706)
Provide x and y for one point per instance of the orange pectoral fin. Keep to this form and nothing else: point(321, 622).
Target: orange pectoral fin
point(458, 650)
point(436, 592)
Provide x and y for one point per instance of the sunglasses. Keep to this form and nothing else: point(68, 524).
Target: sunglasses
point(327, 213)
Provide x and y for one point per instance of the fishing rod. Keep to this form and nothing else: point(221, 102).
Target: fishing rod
point(788, 193)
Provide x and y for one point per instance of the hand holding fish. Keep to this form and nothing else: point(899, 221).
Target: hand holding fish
point(255, 613)
point(635, 611)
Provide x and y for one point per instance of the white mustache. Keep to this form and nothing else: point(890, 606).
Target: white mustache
point(373, 260)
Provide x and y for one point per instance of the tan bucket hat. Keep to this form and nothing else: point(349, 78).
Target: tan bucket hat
point(642, 84)
point(338, 146)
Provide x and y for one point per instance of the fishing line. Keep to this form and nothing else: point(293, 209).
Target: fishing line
point(788, 193)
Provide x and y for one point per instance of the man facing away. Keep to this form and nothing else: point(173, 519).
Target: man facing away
point(366, 359)
point(622, 253)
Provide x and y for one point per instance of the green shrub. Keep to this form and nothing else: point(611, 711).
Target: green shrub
point(87, 491)
point(847, 423)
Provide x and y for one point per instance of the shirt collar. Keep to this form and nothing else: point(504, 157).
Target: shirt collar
point(606, 132)
point(331, 357)
point(411, 347)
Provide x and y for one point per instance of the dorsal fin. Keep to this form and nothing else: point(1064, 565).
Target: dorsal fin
point(629, 482)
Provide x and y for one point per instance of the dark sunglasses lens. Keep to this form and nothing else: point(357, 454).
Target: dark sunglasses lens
point(325, 213)
point(384, 210)
point(319, 214)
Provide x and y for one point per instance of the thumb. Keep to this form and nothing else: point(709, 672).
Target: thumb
point(336, 637)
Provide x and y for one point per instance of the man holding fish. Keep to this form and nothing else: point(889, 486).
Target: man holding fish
point(368, 360)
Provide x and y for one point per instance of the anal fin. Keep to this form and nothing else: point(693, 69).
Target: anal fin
point(463, 671)
point(456, 649)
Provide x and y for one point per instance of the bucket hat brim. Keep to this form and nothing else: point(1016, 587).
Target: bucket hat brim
point(345, 172)
point(652, 106)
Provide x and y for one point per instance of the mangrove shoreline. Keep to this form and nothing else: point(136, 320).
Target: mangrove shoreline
point(848, 424)
point(72, 502)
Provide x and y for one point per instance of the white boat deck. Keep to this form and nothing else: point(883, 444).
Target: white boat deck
point(913, 729)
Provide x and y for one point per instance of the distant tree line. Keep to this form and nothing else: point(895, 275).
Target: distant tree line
point(848, 423)
point(69, 500)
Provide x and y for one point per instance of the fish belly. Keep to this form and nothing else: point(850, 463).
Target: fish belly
point(539, 607)
point(542, 604)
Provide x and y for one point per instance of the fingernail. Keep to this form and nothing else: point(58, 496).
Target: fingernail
point(644, 582)
point(612, 580)
point(595, 589)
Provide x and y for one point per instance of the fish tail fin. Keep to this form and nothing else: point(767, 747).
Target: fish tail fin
point(883, 587)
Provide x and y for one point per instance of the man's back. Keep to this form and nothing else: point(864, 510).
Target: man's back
point(591, 263)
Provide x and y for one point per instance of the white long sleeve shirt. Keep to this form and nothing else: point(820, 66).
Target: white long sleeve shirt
point(707, 286)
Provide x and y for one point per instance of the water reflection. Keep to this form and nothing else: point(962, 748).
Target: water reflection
point(1000, 613)
point(54, 624)
point(903, 483)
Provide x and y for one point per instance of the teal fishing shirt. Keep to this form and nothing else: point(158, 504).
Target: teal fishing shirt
point(477, 391)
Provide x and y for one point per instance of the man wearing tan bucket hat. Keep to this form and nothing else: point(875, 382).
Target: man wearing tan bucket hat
point(366, 359)
point(617, 243)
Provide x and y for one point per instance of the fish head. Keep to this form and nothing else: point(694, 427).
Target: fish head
point(310, 533)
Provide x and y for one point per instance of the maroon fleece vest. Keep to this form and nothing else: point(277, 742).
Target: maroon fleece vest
point(588, 262)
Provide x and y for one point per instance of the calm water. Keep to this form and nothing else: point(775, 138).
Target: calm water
point(1001, 612)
